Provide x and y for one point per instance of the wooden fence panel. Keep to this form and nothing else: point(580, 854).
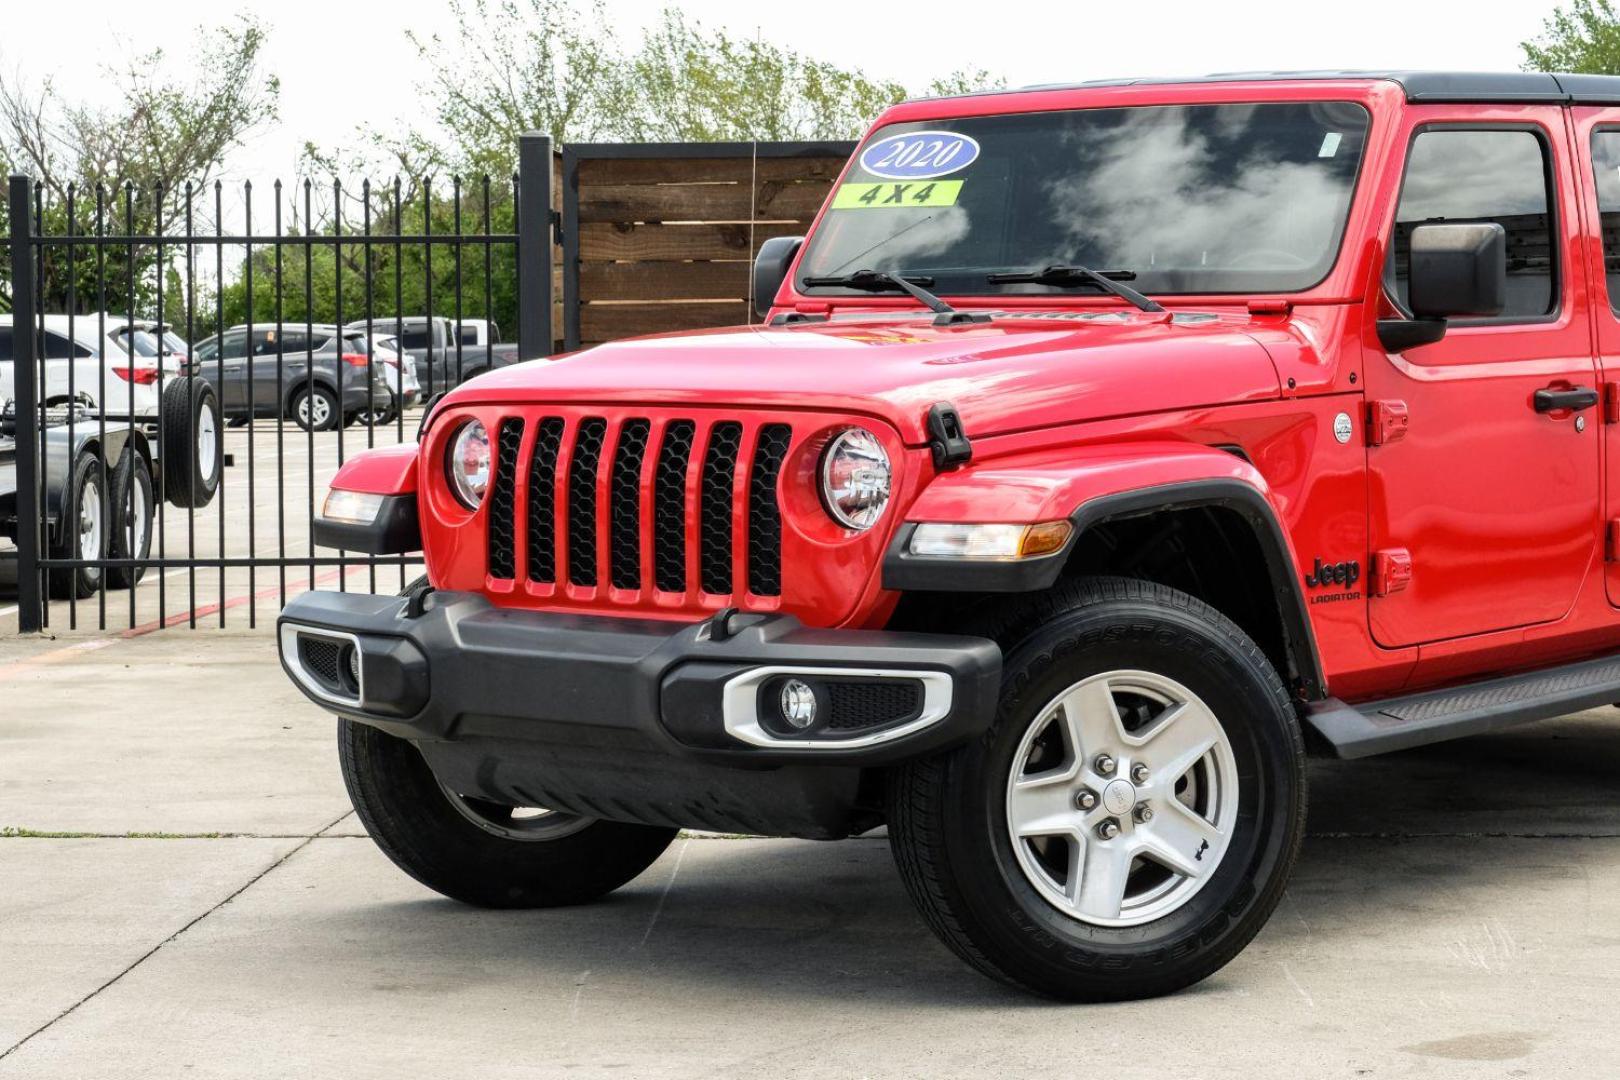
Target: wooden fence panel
point(665, 235)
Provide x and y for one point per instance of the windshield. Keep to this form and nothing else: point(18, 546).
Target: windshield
point(1190, 199)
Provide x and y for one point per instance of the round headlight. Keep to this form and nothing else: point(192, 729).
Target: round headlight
point(855, 479)
point(468, 464)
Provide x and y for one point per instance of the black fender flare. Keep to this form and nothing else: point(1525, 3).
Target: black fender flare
point(903, 571)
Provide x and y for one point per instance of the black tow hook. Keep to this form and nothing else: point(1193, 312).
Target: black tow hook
point(719, 625)
point(416, 601)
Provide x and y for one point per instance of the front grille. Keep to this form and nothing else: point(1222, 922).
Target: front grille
point(625, 501)
point(669, 507)
point(582, 502)
point(593, 471)
point(719, 478)
point(543, 500)
point(857, 705)
point(502, 505)
point(764, 516)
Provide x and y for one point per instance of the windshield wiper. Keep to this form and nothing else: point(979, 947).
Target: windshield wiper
point(1065, 275)
point(883, 280)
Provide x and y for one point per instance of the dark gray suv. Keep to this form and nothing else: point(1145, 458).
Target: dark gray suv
point(265, 370)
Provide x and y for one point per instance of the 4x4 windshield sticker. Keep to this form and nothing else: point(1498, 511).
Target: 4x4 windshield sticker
point(920, 155)
point(891, 196)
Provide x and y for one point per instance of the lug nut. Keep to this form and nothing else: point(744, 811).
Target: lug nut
point(1144, 814)
point(1108, 829)
point(1139, 773)
point(1104, 765)
point(1086, 800)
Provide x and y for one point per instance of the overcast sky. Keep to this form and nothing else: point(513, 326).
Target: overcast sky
point(347, 62)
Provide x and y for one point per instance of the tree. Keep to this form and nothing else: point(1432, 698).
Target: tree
point(555, 66)
point(1582, 37)
point(511, 66)
point(328, 281)
point(137, 158)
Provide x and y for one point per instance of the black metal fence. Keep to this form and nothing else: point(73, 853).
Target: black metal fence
point(174, 361)
point(591, 244)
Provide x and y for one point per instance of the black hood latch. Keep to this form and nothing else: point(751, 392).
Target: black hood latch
point(946, 439)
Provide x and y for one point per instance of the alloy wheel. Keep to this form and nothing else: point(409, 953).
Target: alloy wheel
point(1122, 798)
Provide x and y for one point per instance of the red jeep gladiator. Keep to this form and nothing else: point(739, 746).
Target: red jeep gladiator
point(1100, 450)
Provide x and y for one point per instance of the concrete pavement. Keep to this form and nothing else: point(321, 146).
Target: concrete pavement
point(1456, 913)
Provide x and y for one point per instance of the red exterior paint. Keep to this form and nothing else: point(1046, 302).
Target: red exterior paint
point(386, 470)
point(1501, 510)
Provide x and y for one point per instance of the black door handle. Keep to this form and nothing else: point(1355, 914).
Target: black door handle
point(1575, 398)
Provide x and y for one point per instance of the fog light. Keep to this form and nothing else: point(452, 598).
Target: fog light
point(798, 702)
point(354, 665)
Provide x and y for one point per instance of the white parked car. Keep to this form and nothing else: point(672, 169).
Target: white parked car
point(97, 361)
point(148, 337)
point(402, 378)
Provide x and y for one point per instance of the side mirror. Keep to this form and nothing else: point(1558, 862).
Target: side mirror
point(770, 270)
point(1455, 271)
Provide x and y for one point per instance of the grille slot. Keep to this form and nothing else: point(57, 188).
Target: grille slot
point(857, 705)
point(714, 507)
point(582, 501)
point(543, 501)
point(669, 506)
point(502, 501)
point(624, 528)
point(320, 657)
point(764, 515)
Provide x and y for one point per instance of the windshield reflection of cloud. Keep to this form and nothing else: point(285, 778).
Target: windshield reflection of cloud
point(1241, 215)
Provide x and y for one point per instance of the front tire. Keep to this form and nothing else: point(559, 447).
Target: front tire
point(1129, 821)
point(478, 852)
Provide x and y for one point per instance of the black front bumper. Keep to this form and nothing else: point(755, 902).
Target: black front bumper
point(639, 720)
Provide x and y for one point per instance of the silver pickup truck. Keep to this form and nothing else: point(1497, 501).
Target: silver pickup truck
point(444, 357)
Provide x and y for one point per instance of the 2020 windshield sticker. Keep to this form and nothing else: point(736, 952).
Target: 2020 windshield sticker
point(892, 196)
point(920, 155)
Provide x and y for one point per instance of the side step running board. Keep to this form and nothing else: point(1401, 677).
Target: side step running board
point(1379, 727)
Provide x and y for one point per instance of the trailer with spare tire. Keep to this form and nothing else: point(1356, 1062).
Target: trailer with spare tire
point(98, 497)
point(109, 364)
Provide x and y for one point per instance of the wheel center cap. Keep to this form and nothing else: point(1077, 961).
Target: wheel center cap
point(1118, 797)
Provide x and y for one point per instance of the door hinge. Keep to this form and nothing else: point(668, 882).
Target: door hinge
point(1392, 571)
point(1386, 422)
point(1611, 403)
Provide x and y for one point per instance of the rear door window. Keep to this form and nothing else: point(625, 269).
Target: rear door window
point(1606, 176)
point(58, 347)
point(234, 347)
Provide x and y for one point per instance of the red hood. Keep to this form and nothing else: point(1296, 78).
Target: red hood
point(1032, 370)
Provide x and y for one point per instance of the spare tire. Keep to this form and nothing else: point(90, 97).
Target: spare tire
point(192, 443)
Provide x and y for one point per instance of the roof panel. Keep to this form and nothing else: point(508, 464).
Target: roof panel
point(1421, 87)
